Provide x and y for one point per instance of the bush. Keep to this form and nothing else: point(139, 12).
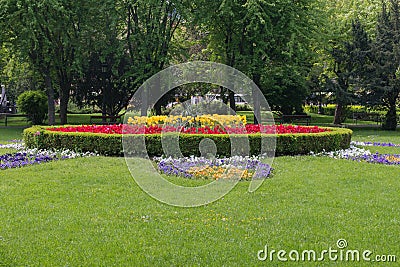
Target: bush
point(243, 107)
point(330, 109)
point(111, 144)
point(34, 104)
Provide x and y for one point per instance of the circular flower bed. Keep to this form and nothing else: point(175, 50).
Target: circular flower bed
point(106, 139)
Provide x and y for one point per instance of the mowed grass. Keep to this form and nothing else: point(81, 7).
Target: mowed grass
point(90, 212)
point(72, 119)
point(12, 133)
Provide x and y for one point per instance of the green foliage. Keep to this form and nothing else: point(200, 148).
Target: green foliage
point(16, 73)
point(349, 58)
point(363, 65)
point(330, 109)
point(106, 144)
point(383, 75)
point(34, 104)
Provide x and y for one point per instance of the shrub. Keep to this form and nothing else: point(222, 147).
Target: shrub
point(111, 144)
point(330, 109)
point(34, 104)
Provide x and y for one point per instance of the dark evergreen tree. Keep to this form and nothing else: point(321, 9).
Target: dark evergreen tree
point(349, 60)
point(383, 77)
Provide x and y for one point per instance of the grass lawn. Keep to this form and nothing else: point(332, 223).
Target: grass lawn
point(90, 212)
point(10, 133)
point(72, 119)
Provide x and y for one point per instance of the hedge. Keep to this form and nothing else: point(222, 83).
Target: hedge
point(111, 144)
point(330, 109)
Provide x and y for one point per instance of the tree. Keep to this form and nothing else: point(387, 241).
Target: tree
point(383, 84)
point(277, 50)
point(106, 76)
point(350, 58)
point(16, 74)
point(149, 30)
point(269, 41)
point(22, 29)
point(225, 22)
point(336, 29)
point(107, 84)
point(49, 34)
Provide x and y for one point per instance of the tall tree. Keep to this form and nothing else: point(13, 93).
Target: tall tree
point(383, 83)
point(150, 27)
point(105, 77)
point(23, 29)
point(17, 74)
point(350, 58)
point(335, 30)
point(225, 22)
point(48, 33)
point(280, 35)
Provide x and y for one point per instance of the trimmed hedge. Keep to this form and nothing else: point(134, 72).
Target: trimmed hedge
point(111, 144)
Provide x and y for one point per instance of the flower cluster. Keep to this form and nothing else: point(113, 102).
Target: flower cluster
point(201, 121)
point(105, 129)
point(362, 155)
point(217, 129)
point(349, 153)
point(15, 145)
point(244, 168)
point(283, 129)
point(25, 157)
point(374, 144)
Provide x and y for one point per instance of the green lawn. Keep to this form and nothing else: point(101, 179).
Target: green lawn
point(376, 135)
point(90, 212)
point(72, 119)
point(10, 133)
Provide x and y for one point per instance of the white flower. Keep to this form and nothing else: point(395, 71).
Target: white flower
point(353, 151)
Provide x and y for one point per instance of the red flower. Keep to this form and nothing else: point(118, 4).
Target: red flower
point(157, 129)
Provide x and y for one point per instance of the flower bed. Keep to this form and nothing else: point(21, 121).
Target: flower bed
point(204, 124)
point(244, 168)
point(107, 140)
point(375, 144)
point(26, 157)
point(363, 155)
point(190, 121)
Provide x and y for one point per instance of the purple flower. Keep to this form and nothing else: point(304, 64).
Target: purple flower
point(35, 156)
point(183, 166)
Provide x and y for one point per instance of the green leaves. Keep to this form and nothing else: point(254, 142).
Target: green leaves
point(34, 104)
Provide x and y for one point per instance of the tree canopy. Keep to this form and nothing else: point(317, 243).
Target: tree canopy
point(99, 52)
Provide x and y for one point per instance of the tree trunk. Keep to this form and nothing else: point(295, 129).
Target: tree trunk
point(64, 99)
point(51, 110)
point(256, 100)
point(157, 108)
point(143, 108)
point(156, 95)
point(390, 122)
point(103, 103)
point(337, 120)
point(232, 103)
point(222, 94)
